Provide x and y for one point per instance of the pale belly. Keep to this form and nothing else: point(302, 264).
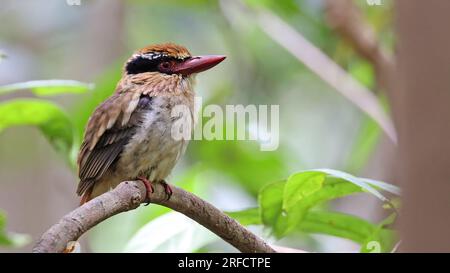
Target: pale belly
point(152, 153)
point(153, 157)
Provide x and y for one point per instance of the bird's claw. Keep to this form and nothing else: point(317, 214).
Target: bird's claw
point(167, 189)
point(148, 187)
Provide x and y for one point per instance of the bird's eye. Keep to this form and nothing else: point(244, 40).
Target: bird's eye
point(165, 66)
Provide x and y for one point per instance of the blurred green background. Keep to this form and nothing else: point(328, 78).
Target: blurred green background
point(319, 128)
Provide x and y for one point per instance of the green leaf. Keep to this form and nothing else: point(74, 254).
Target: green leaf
point(332, 188)
point(369, 185)
point(334, 224)
point(270, 203)
point(337, 224)
point(323, 222)
point(285, 221)
point(284, 204)
point(307, 189)
point(52, 121)
point(381, 239)
point(48, 87)
point(11, 239)
point(372, 237)
point(247, 217)
point(301, 185)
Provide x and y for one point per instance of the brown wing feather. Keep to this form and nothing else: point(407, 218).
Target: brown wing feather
point(110, 128)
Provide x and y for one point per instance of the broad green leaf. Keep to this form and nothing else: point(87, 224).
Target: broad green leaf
point(311, 189)
point(371, 237)
point(48, 87)
point(322, 222)
point(11, 239)
point(301, 185)
point(382, 239)
point(171, 232)
point(366, 184)
point(332, 223)
point(336, 184)
point(285, 221)
point(284, 204)
point(247, 217)
point(271, 207)
point(332, 188)
point(337, 224)
point(52, 121)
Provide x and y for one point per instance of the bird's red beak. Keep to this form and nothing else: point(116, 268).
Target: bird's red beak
point(198, 64)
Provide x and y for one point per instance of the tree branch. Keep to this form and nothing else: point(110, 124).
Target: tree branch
point(129, 195)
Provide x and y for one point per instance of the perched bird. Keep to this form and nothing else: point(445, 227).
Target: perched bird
point(128, 136)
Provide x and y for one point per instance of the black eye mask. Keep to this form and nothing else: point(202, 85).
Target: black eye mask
point(149, 62)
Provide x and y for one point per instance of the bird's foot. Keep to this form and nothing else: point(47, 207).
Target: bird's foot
point(148, 187)
point(167, 189)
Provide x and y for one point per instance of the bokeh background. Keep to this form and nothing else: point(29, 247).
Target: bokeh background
point(319, 128)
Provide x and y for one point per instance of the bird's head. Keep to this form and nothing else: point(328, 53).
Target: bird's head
point(169, 59)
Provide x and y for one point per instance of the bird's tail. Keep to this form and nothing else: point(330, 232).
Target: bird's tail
point(84, 189)
point(86, 196)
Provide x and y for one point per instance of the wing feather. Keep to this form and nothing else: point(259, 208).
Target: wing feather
point(109, 130)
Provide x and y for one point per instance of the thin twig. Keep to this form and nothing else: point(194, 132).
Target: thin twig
point(326, 69)
point(129, 195)
point(317, 61)
point(347, 19)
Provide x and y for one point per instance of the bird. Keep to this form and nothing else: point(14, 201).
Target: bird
point(128, 136)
